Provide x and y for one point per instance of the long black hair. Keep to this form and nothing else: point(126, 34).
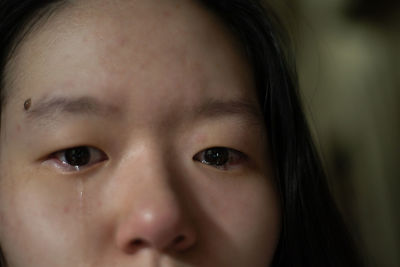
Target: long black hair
point(313, 233)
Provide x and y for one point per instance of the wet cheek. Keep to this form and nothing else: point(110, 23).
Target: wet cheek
point(39, 222)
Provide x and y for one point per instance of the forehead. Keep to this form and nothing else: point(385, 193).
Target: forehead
point(161, 50)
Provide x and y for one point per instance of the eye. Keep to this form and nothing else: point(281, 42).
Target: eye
point(77, 158)
point(220, 157)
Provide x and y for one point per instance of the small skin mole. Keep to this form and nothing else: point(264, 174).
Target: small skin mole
point(27, 104)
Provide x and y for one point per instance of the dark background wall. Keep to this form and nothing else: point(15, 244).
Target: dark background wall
point(349, 66)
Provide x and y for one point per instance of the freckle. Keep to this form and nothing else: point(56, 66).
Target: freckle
point(66, 210)
point(27, 104)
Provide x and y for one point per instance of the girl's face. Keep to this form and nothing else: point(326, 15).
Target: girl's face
point(143, 144)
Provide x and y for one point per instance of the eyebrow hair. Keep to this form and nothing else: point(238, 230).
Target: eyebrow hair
point(48, 107)
point(217, 108)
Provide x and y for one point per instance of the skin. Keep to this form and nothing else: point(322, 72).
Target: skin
point(143, 84)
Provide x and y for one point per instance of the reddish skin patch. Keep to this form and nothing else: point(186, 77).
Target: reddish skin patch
point(167, 14)
point(122, 42)
point(66, 210)
point(18, 128)
point(99, 204)
point(200, 138)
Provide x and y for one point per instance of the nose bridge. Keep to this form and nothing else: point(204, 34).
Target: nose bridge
point(145, 163)
point(151, 211)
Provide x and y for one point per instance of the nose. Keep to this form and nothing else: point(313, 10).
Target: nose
point(155, 219)
point(163, 230)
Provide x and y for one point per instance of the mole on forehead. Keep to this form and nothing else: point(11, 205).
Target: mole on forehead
point(48, 107)
point(27, 104)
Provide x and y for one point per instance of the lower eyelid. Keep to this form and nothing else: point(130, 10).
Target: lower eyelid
point(57, 164)
point(65, 168)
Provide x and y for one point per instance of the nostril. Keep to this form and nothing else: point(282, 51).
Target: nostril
point(137, 243)
point(177, 244)
point(182, 243)
point(179, 239)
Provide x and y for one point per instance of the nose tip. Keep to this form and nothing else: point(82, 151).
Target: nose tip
point(163, 230)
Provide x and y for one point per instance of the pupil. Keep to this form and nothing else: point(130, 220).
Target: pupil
point(77, 156)
point(216, 156)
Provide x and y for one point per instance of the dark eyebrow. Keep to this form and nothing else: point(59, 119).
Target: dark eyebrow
point(47, 108)
point(51, 107)
point(218, 108)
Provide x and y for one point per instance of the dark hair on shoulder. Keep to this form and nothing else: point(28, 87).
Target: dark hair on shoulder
point(313, 232)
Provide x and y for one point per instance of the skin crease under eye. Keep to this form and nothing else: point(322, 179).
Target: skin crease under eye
point(150, 191)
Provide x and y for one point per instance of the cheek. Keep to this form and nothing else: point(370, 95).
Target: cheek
point(248, 213)
point(39, 217)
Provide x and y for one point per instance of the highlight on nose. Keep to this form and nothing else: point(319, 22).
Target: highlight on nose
point(164, 230)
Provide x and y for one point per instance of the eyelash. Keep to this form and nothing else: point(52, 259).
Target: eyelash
point(76, 159)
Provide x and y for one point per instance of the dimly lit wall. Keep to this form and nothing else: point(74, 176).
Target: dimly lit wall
point(349, 67)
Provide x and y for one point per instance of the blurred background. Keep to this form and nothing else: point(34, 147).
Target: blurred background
point(348, 54)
